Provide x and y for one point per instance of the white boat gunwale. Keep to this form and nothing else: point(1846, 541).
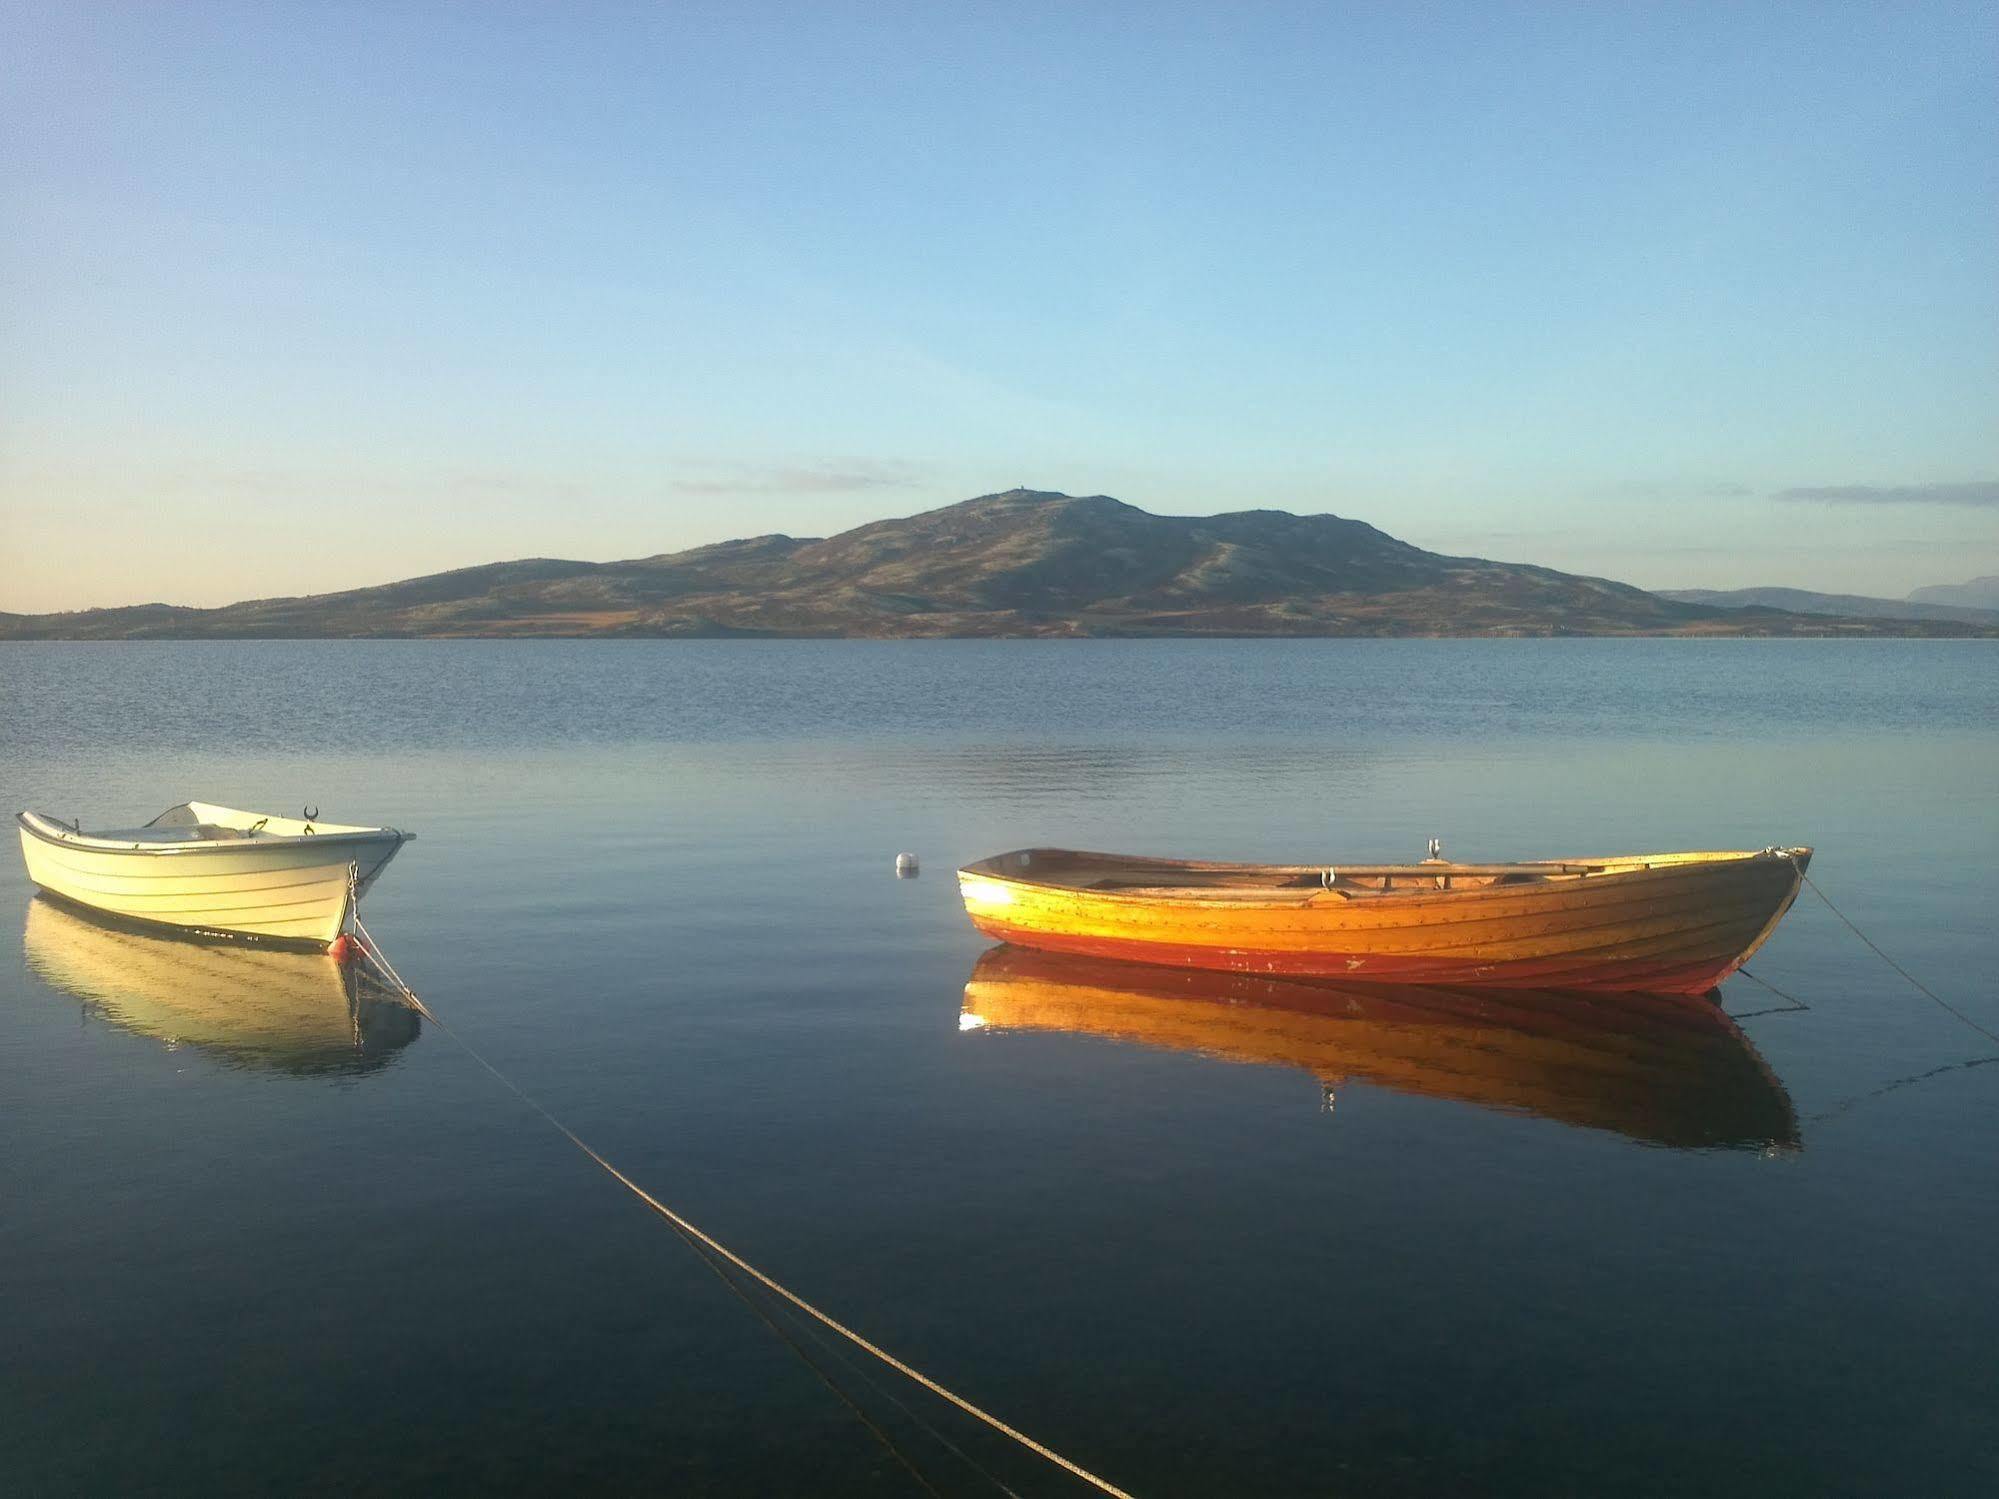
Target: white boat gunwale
point(49, 830)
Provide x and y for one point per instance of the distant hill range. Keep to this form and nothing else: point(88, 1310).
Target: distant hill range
point(1924, 603)
point(1979, 593)
point(1023, 563)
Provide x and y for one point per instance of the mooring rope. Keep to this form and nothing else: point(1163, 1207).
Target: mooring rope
point(831, 1347)
point(1791, 1005)
point(1915, 982)
point(1827, 1115)
point(690, 1231)
point(1794, 1003)
point(768, 1318)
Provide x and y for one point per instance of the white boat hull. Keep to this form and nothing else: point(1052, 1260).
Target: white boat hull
point(282, 889)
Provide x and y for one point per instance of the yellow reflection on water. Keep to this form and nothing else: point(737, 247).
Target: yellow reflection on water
point(1662, 1070)
point(254, 1007)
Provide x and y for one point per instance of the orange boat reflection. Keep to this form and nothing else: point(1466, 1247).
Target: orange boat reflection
point(251, 1007)
point(1662, 1070)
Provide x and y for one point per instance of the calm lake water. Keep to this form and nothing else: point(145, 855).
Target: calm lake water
point(243, 1251)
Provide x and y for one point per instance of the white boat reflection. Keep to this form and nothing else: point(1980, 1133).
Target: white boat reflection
point(299, 1013)
point(1662, 1070)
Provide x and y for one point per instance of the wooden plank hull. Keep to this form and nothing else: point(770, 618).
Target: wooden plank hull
point(1662, 1069)
point(1662, 923)
point(288, 891)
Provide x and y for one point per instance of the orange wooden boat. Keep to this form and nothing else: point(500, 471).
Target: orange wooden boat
point(1662, 1069)
point(1644, 923)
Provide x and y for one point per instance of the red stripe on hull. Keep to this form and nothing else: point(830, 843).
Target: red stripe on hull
point(1602, 975)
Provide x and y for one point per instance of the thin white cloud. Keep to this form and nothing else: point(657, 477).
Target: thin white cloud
point(1980, 493)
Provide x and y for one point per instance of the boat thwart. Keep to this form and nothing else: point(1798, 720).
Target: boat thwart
point(1670, 923)
point(204, 868)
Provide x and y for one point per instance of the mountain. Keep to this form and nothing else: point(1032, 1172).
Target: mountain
point(1023, 563)
point(1979, 593)
point(1852, 605)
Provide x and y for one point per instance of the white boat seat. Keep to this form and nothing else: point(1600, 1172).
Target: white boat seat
point(206, 832)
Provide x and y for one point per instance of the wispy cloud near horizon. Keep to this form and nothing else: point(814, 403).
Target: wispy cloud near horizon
point(835, 476)
point(1979, 493)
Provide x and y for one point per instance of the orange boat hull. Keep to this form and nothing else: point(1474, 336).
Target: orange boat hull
point(1663, 923)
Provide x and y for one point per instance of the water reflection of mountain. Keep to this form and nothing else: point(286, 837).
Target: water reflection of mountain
point(1664, 1071)
point(250, 1007)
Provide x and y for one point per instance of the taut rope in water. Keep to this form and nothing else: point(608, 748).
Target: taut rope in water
point(721, 1250)
point(1897, 1085)
point(1792, 1004)
point(1914, 982)
point(764, 1315)
point(1922, 988)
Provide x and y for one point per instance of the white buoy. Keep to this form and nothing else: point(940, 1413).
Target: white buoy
point(906, 867)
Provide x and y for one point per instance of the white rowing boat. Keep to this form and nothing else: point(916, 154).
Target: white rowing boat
point(204, 868)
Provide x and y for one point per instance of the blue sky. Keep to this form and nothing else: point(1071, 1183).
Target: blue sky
point(298, 298)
